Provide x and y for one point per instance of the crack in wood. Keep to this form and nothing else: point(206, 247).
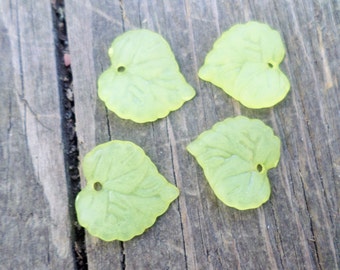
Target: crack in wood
point(122, 255)
point(174, 170)
point(69, 136)
point(278, 235)
point(108, 123)
point(35, 115)
point(123, 14)
point(311, 226)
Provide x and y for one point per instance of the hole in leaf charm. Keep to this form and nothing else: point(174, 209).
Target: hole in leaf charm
point(97, 186)
point(121, 69)
point(259, 168)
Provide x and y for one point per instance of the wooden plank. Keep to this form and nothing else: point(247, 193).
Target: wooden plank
point(88, 109)
point(299, 227)
point(34, 216)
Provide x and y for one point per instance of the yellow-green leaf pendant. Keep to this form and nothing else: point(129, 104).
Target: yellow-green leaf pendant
point(143, 83)
point(235, 156)
point(124, 193)
point(244, 62)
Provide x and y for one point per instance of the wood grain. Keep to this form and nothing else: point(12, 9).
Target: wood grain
point(299, 227)
point(34, 217)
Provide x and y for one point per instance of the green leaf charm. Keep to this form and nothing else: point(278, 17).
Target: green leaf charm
point(124, 193)
point(244, 62)
point(235, 156)
point(144, 82)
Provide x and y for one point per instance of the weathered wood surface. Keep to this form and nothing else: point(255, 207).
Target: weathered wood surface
point(34, 215)
point(299, 227)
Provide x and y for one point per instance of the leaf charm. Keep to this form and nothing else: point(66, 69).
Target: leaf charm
point(244, 62)
point(235, 156)
point(124, 193)
point(144, 82)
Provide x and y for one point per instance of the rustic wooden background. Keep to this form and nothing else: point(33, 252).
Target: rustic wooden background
point(298, 228)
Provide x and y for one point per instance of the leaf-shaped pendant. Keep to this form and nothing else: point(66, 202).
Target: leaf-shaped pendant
point(244, 62)
point(144, 82)
point(235, 156)
point(124, 193)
